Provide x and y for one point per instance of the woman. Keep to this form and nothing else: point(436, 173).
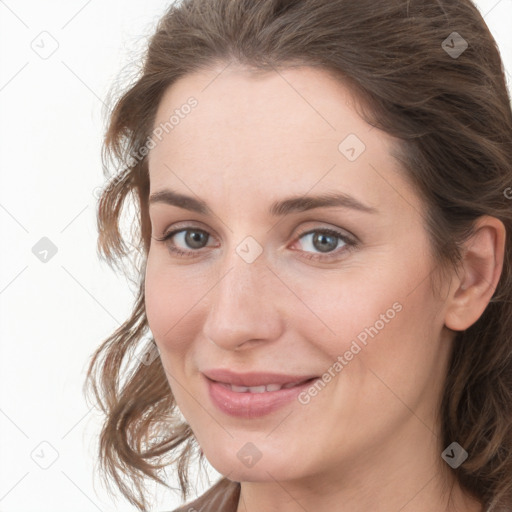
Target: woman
point(324, 213)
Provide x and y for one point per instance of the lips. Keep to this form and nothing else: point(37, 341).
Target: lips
point(252, 395)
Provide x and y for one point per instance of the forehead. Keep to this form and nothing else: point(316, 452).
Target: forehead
point(296, 104)
point(296, 129)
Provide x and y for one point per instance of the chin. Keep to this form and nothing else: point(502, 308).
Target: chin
point(268, 468)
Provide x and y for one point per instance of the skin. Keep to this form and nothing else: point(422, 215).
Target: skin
point(370, 440)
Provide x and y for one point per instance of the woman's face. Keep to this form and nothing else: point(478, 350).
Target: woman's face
point(299, 252)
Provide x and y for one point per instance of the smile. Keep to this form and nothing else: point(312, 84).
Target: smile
point(253, 395)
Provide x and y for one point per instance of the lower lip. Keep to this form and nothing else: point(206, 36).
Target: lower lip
point(252, 405)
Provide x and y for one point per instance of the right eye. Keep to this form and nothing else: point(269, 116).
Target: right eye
point(185, 241)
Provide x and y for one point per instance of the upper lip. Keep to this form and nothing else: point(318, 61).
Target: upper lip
point(251, 379)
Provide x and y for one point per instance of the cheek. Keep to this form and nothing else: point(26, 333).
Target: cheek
point(168, 301)
point(175, 298)
point(391, 345)
point(381, 315)
point(348, 307)
point(170, 311)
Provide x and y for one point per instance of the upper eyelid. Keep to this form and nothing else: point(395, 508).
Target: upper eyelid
point(185, 227)
point(331, 224)
point(188, 227)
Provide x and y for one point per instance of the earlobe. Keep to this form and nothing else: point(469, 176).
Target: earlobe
point(478, 275)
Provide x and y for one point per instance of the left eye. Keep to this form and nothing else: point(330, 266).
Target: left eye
point(324, 241)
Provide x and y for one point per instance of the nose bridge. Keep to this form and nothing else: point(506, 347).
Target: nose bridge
point(242, 305)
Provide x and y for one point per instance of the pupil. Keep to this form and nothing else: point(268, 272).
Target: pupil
point(322, 238)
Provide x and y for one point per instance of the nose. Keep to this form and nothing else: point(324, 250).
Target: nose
point(244, 307)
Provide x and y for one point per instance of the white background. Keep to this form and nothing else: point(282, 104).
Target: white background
point(54, 314)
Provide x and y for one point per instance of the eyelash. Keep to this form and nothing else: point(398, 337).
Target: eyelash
point(350, 244)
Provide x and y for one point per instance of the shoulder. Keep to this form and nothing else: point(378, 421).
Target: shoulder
point(222, 497)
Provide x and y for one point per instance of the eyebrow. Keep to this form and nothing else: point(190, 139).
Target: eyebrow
point(283, 207)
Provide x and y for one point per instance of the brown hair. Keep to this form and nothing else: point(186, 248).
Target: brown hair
point(452, 116)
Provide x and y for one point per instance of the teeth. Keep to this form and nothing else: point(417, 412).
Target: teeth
point(239, 389)
point(260, 389)
point(257, 389)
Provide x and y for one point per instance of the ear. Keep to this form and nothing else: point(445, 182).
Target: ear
point(476, 280)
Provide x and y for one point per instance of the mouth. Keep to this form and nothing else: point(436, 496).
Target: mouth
point(253, 395)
